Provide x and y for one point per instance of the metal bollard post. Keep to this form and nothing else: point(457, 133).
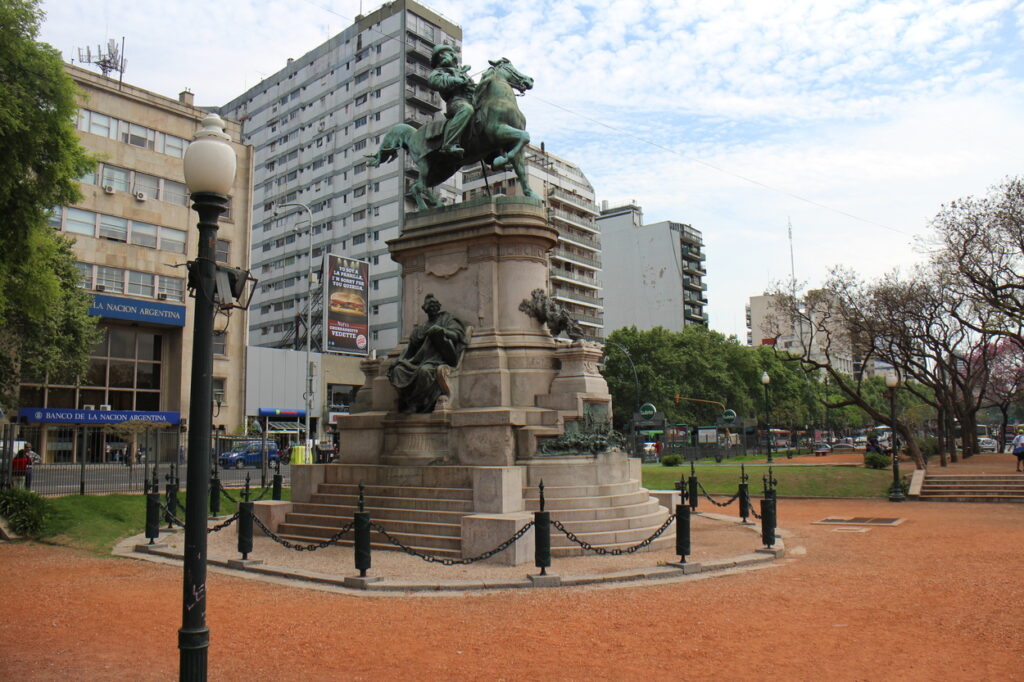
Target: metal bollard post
point(152, 513)
point(171, 499)
point(692, 485)
point(276, 493)
point(542, 536)
point(744, 494)
point(768, 522)
point(362, 523)
point(682, 531)
point(214, 495)
point(245, 529)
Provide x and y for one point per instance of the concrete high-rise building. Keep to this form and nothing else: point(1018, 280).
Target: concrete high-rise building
point(575, 263)
point(311, 126)
point(818, 334)
point(653, 273)
point(133, 232)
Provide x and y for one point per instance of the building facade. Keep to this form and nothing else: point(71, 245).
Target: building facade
point(134, 232)
point(818, 336)
point(653, 273)
point(575, 262)
point(312, 125)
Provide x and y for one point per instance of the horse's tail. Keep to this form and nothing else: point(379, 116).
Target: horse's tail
point(395, 139)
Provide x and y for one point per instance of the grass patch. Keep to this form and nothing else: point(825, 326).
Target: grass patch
point(795, 481)
point(97, 522)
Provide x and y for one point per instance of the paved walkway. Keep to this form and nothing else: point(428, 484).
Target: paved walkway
point(936, 597)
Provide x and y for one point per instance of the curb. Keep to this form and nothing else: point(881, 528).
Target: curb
point(135, 548)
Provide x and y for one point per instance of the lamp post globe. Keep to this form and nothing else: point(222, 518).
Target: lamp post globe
point(896, 491)
point(765, 380)
point(210, 165)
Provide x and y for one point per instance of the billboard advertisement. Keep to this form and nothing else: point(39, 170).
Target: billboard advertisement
point(345, 309)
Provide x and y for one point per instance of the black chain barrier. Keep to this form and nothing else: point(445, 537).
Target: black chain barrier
point(225, 524)
point(715, 502)
point(618, 550)
point(233, 500)
point(312, 547)
point(170, 517)
point(448, 561)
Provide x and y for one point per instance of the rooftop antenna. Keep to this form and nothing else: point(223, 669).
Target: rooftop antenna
point(111, 60)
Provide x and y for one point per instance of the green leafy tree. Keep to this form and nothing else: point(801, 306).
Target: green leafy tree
point(44, 326)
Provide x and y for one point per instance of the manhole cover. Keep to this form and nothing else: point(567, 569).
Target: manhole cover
point(861, 521)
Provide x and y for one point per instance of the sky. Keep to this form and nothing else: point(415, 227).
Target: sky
point(851, 121)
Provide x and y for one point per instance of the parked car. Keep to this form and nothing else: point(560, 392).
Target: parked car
point(987, 445)
point(844, 445)
point(250, 455)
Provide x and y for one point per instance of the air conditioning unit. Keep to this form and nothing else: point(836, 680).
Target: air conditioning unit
point(108, 189)
point(140, 196)
point(100, 287)
point(161, 297)
point(88, 407)
point(104, 407)
point(321, 125)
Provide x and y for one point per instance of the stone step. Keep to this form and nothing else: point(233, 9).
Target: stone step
point(952, 497)
point(374, 491)
point(397, 525)
point(589, 502)
point(650, 520)
point(973, 488)
point(346, 514)
point(433, 536)
point(379, 474)
point(392, 502)
point(593, 514)
point(563, 491)
point(379, 542)
point(975, 477)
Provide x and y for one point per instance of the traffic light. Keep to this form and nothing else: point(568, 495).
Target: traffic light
point(679, 398)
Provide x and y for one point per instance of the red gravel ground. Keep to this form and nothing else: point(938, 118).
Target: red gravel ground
point(940, 596)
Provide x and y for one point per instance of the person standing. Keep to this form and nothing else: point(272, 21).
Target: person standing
point(21, 467)
point(1018, 448)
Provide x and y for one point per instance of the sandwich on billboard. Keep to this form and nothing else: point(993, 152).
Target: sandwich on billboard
point(346, 317)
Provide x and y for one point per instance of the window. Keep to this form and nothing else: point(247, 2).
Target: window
point(143, 234)
point(148, 185)
point(175, 192)
point(220, 343)
point(137, 135)
point(81, 222)
point(111, 279)
point(172, 240)
point(360, 122)
point(358, 215)
point(84, 275)
point(360, 77)
point(173, 288)
point(114, 228)
point(218, 389)
point(55, 217)
point(175, 146)
point(140, 284)
point(358, 239)
point(101, 125)
point(115, 177)
point(223, 251)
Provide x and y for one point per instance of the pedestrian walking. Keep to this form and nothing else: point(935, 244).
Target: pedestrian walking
point(1018, 448)
point(21, 467)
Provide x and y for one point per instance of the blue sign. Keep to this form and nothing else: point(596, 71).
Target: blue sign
point(274, 412)
point(61, 416)
point(137, 310)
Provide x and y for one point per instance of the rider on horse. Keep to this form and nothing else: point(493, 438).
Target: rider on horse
point(457, 90)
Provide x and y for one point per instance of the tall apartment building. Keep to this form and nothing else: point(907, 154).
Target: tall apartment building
point(821, 340)
point(311, 126)
point(575, 262)
point(653, 273)
point(133, 232)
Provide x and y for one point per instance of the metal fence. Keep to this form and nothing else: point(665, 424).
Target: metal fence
point(82, 460)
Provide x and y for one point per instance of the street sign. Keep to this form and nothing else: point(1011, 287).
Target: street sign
point(729, 416)
point(647, 410)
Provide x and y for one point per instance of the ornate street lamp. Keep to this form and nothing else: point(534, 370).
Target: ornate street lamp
point(636, 384)
point(765, 380)
point(209, 173)
point(896, 491)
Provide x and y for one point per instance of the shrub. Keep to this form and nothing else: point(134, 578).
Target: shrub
point(671, 460)
point(875, 460)
point(24, 510)
point(929, 447)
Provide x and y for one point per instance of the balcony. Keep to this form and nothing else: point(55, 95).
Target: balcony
point(565, 254)
point(576, 200)
point(417, 71)
point(578, 239)
point(583, 318)
point(577, 297)
point(575, 220)
point(575, 277)
point(691, 268)
point(423, 98)
point(417, 48)
point(416, 119)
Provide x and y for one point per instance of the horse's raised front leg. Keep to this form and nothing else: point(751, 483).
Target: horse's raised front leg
point(507, 135)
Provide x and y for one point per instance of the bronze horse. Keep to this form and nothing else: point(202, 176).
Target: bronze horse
point(496, 135)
